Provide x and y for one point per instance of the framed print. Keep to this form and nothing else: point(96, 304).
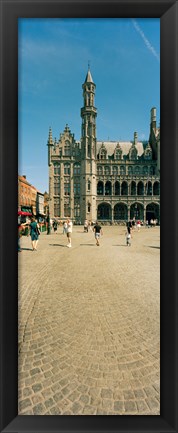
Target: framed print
point(122, 414)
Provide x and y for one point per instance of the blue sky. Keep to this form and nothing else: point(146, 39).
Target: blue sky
point(53, 56)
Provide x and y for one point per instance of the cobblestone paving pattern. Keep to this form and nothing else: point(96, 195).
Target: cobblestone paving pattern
point(89, 324)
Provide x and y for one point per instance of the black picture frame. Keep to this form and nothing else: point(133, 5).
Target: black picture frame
point(11, 10)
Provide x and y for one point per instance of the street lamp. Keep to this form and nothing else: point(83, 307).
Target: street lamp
point(48, 221)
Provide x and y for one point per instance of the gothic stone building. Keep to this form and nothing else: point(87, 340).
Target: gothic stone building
point(108, 181)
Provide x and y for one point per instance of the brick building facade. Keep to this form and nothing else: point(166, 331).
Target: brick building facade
point(30, 200)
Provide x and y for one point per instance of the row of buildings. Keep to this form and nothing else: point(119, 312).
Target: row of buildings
point(109, 181)
point(30, 200)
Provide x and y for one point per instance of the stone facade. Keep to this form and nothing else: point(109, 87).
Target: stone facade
point(108, 181)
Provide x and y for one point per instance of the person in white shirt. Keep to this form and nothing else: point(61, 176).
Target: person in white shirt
point(64, 227)
point(69, 232)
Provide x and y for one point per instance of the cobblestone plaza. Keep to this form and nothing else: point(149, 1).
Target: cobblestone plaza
point(89, 324)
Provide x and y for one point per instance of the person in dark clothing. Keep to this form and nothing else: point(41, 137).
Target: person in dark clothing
point(34, 233)
point(128, 236)
point(55, 226)
point(98, 232)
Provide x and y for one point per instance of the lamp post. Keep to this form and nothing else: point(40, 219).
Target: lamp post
point(48, 220)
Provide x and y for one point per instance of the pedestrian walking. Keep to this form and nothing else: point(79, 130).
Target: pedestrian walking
point(128, 235)
point(69, 233)
point(89, 226)
point(130, 224)
point(98, 232)
point(55, 226)
point(133, 223)
point(86, 226)
point(138, 225)
point(64, 227)
point(20, 231)
point(34, 233)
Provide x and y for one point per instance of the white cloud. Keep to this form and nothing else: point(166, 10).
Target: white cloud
point(146, 41)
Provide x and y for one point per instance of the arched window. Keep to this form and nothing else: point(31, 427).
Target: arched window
point(103, 154)
point(133, 153)
point(152, 170)
point(124, 188)
point(130, 170)
point(137, 170)
point(67, 148)
point(67, 186)
point(56, 168)
point(99, 170)
point(117, 188)
point(156, 188)
point(108, 188)
point(66, 168)
point(133, 188)
point(56, 185)
point(148, 188)
point(66, 208)
point(89, 185)
point(76, 168)
point(145, 170)
point(100, 188)
point(76, 186)
point(115, 170)
point(140, 188)
point(122, 170)
point(56, 207)
point(106, 170)
point(76, 210)
point(118, 154)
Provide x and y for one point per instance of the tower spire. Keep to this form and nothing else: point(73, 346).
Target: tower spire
point(50, 138)
point(88, 149)
point(50, 144)
point(88, 78)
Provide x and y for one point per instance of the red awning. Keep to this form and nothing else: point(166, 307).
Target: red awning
point(24, 213)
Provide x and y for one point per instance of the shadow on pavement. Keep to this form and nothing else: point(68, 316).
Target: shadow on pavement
point(57, 245)
point(88, 245)
point(119, 245)
point(150, 246)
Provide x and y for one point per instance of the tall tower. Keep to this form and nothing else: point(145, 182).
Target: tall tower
point(153, 132)
point(88, 150)
point(50, 144)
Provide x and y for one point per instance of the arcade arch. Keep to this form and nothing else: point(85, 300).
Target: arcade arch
point(152, 212)
point(104, 211)
point(137, 211)
point(120, 212)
